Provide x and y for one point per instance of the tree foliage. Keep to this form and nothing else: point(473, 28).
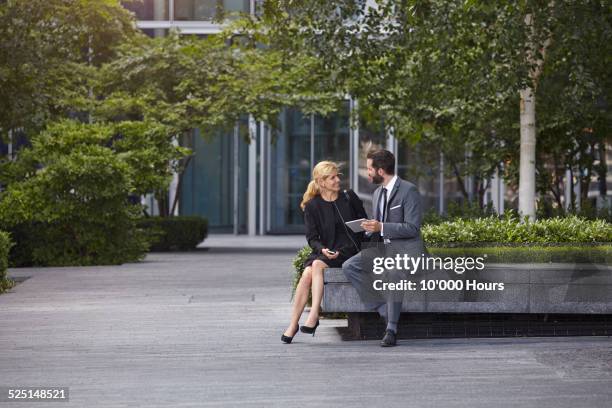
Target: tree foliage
point(71, 190)
point(48, 51)
point(448, 73)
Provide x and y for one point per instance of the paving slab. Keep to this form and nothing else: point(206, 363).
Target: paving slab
point(202, 329)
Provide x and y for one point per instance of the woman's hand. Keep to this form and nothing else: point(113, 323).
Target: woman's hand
point(328, 255)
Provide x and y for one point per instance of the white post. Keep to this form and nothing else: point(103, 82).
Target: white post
point(262, 177)
point(355, 138)
point(441, 185)
point(502, 195)
point(568, 189)
point(392, 144)
point(236, 177)
point(578, 189)
point(252, 191)
point(495, 191)
point(159, 14)
point(498, 191)
point(268, 178)
point(469, 179)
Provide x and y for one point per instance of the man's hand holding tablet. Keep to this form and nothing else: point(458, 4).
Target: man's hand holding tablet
point(355, 225)
point(371, 225)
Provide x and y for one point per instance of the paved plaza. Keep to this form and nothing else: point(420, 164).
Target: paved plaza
point(203, 329)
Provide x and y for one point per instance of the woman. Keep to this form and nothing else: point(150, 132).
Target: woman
point(326, 209)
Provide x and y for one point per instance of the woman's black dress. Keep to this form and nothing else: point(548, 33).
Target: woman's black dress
point(325, 227)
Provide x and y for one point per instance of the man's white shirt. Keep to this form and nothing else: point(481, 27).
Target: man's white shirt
point(389, 186)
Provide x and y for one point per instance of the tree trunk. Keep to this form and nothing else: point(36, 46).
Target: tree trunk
point(460, 181)
point(162, 203)
point(527, 169)
point(179, 186)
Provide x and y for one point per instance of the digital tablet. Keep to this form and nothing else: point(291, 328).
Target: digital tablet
point(355, 225)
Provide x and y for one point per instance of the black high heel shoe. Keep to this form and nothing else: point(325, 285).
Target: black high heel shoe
point(287, 339)
point(309, 330)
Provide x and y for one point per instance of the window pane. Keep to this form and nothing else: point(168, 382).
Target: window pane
point(289, 171)
point(195, 9)
point(370, 138)
point(332, 140)
point(237, 6)
point(420, 166)
point(202, 10)
point(149, 9)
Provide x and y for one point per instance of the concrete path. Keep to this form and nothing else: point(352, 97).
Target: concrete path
point(203, 329)
point(259, 242)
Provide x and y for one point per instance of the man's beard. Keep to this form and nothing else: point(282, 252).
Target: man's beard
point(377, 179)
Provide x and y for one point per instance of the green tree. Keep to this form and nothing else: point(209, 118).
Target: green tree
point(188, 82)
point(71, 191)
point(460, 71)
point(48, 50)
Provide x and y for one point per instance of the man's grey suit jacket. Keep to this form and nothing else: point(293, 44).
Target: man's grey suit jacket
point(404, 215)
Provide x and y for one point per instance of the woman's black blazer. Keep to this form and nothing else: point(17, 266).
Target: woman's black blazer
point(320, 220)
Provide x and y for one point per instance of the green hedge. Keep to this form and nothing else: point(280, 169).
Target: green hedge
point(5, 246)
point(508, 240)
point(511, 230)
point(563, 253)
point(78, 243)
point(175, 233)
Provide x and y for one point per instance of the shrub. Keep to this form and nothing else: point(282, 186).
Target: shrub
point(588, 209)
point(85, 242)
point(69, 205)
point(511, 230)
point(563, 253)
point(450, 238)
point(175, 233)
point(68, 196)
point(456, 210)
point(298, 266)
point(5, 245)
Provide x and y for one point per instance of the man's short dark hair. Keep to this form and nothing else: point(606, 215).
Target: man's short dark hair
point(383, 159)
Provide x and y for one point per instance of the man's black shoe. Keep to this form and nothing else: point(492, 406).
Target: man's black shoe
point(389, 340)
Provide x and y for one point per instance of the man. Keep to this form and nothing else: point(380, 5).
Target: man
point(397, 220)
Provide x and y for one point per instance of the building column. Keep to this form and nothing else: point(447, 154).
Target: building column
point(441, 208)
point(252, 182)
point(236, 185)
point(159, 14)
point(392, 144)
point(263, 160)
point(567, 190)
point(354, 143)
point(498, 192)
point(469, 179)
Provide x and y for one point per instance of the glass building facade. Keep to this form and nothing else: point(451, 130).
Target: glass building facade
point(251, 180)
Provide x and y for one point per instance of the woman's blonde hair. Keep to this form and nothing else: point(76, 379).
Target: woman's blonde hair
point(322, 170)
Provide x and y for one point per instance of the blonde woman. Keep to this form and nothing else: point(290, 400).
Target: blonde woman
point(326, 209)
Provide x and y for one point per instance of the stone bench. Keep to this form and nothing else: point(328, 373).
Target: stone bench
point(538, 299)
